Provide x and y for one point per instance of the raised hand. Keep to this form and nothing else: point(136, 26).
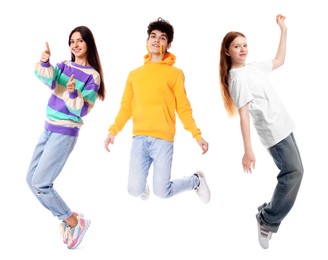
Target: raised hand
point(45, 54)
point(71, 84)
point(280, 19)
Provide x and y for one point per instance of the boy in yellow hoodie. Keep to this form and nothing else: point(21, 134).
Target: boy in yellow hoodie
point(154, 92)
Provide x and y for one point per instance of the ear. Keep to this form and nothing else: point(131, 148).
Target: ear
point(168, 46)
point(226, 53)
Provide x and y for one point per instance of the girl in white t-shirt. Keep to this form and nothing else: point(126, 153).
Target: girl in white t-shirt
point(246, 88)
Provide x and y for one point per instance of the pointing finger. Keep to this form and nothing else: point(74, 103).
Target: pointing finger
point(47, 48)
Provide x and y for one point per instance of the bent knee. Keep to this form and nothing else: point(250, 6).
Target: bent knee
point(300, 170)
point(134, 192)
point(298, 173)
point(163, 194)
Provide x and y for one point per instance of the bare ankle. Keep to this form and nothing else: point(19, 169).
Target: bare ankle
point(71, 221)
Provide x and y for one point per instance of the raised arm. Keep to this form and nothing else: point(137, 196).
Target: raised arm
point(281, 52)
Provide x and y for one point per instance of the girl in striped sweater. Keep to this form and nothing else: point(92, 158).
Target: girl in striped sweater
point(75, 85)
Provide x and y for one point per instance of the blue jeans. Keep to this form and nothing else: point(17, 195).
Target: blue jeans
point(49, 158)
point(287, 158)
point(147, 150)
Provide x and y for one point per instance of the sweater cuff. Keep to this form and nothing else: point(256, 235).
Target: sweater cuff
point(198, 137)
point(45, 64)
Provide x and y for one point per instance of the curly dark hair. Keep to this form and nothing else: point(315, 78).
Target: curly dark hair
point(163, 26)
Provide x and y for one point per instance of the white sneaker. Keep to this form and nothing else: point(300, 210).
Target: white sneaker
point(202, 190)
point(264, 236)
point(145, 194)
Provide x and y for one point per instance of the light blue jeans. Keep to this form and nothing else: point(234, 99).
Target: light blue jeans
point(49, 158)
point(147, 150)
point(288, 159)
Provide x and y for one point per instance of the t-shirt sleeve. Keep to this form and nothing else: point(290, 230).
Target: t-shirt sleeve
point(240, 91)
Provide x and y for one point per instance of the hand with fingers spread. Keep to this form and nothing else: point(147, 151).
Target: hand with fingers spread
point(71, 84)
point(45, 56)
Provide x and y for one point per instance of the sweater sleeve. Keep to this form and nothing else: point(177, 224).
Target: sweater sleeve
point(125, 111)
point(184, 109)
point(44, 71)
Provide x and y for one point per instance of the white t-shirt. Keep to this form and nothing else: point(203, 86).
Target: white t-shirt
point(250, 85)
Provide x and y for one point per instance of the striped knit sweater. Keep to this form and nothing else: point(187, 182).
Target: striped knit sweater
point(66, 109)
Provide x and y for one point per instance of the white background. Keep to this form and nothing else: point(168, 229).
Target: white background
point(94, 181)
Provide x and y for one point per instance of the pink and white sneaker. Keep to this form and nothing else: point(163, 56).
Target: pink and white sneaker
point(75, 234)
point(63, 225)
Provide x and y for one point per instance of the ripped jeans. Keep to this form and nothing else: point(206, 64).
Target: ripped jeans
point(49, 158)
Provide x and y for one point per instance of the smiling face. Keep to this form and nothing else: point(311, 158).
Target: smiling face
point(79, 48)
point(158, 43)
point(238, 51)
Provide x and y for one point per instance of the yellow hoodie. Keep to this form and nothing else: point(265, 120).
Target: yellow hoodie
point(152, 95)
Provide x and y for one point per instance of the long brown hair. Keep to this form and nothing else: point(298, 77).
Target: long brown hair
point(92, 54)
point(224, 67)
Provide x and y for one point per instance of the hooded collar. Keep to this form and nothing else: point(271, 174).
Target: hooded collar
point(168, 59)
